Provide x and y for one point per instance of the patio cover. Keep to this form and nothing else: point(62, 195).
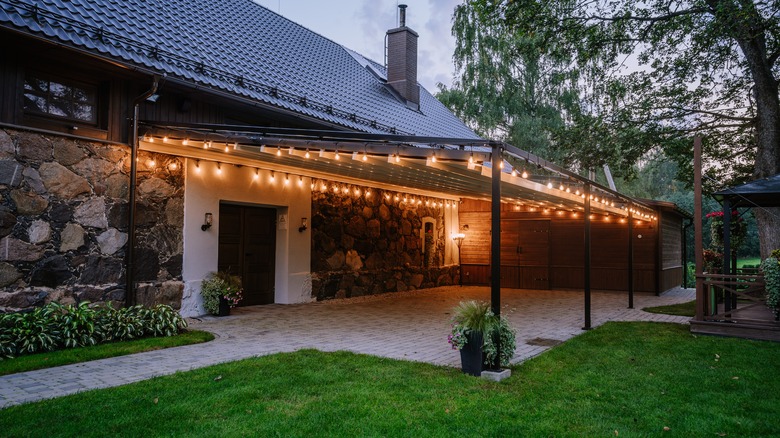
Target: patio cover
point(759, 193)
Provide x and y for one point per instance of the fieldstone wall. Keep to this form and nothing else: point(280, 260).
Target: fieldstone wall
point(63, 222)
point(369, 242)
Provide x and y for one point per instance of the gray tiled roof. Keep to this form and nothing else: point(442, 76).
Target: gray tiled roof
point(240, 47)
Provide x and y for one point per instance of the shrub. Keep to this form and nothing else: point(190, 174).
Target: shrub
point(499, 330)
point(56, 326)
point(771, 268)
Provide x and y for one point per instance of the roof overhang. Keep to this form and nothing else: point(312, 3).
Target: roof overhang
point(436, 167)
point(759, 193)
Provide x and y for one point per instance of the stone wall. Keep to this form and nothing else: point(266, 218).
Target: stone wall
point(368, 241)
point(63, 222)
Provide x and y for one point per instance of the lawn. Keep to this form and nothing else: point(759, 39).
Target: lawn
point(621, 379)
point(680, 309)
point(101, 351)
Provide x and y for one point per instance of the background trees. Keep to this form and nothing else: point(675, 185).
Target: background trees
point(618, 82)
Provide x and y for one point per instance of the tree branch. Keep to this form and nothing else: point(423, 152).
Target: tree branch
point(668, 16)
point(772, 58)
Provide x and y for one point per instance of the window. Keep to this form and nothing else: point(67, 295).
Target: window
point(60, 98)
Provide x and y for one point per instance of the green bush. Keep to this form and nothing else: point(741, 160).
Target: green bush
point(771, 268)
point(56, 326)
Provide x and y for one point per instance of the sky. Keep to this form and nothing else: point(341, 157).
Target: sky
point(361, 25)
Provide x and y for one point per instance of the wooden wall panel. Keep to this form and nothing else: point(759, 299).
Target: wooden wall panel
point(672, 277)
point(476, 274)
point(671, 242)
point(609, 251)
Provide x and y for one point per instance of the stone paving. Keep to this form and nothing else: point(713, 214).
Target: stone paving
point(408, 325)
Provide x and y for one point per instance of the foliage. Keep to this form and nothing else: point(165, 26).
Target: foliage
point(737, 229)
point(633, 378)
point(771, 268)
point(56, 326)
point(499, 331)
point(69, 356)
point(476, 316)
point(472, 315)
point(220, 285)
point(638, 75)
point(713, 261)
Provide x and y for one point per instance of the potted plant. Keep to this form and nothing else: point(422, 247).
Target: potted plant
point(475, 330)
point(220, 292)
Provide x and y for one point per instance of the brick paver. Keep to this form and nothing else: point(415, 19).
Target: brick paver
point(409, 325)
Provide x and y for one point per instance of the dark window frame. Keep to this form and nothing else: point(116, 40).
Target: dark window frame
point(98, 96)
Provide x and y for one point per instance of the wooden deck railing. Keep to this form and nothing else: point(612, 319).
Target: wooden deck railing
point(732, 298)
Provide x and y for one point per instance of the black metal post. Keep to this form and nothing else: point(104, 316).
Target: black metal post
point(727, 304)
point(495, 242)
point(587, 257)
point(630, 259)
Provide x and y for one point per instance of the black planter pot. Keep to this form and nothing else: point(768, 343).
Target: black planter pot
point(224, 307)
point(471, 355)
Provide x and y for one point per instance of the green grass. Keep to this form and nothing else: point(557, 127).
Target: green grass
point(632, 379)
point(752, 261)
point(681, 309)
point(75, 355)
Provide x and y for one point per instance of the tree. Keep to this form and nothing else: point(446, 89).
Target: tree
point(645, 75)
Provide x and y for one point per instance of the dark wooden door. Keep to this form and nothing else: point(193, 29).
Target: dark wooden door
point(247, 247)
point(525, 254)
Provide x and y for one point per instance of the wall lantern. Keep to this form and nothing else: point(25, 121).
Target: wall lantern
point(304, 225)
point(207, 222)
point(458, 238)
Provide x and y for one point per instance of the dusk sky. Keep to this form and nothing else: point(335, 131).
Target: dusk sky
point(360, 25)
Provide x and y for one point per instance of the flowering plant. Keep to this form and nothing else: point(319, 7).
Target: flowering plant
point(458, 337)
point(713, 260)
point(737, 229)
point(221, 285)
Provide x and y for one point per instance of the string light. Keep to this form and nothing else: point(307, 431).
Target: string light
point(471, 158)
point(273, 176)
point(227, 148)
point(165, 139)
point(185, 142)
point(300, 181)
point(397, 158)
point(197, 166)
point(219, 168)
point(549, 185)
point(525, 174)
point(307, 155)
point(286, 178)
point(256, 176)
point(278, 151)
point(514, 172)
point(337, 156)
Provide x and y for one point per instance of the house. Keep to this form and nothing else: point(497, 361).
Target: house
point(234, 139)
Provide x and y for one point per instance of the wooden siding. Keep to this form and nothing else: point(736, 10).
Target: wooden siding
point(542, 250)
point(671, 241)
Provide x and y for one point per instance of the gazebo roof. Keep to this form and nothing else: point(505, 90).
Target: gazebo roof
point(759, 193)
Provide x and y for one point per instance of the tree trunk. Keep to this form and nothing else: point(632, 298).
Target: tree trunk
point(747, 29)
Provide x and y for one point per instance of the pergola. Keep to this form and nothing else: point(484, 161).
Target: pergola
point(759, 193)
point(452, 168)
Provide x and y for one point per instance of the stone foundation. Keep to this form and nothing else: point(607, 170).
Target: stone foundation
point(63, 222)
point(369, 241)
point(349, 284)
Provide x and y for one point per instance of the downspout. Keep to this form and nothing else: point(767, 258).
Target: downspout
point(130, 298)
point(685, 251)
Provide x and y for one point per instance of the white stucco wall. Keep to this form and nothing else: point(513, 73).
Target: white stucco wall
point(206, 188)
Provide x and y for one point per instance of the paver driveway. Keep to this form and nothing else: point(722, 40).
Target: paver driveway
point(408, 325)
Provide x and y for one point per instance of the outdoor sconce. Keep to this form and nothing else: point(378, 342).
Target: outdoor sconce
point(458, 238)
point(207, 222)
point(304, 225)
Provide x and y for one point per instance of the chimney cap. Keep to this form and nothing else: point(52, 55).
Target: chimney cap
point(402, 15)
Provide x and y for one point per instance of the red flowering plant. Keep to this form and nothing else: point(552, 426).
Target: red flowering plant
point(713, 261)
point(737, 229)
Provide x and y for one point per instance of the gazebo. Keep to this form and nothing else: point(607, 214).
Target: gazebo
point(730, 303)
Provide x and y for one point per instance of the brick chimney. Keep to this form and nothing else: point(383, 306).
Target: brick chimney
point(402, 60)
